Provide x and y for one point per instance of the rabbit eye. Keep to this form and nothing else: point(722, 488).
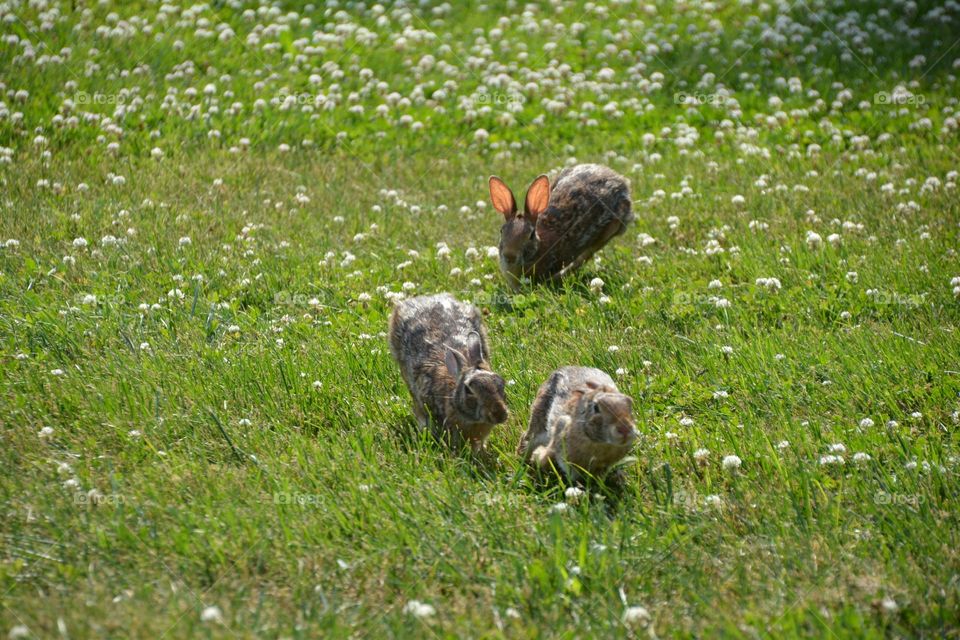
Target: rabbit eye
point(468, 391)
point(533, 233)
point(596, 408)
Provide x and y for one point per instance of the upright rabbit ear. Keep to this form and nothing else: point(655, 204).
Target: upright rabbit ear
point(475, 348)
point(538, 196)
point(502, 198)
point(454, 361)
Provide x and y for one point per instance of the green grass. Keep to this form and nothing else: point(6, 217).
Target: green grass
point(248, 438)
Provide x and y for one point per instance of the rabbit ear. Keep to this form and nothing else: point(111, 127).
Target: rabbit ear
point(454, 361)
point(502, 198)
point(475, 348)
point(538, 196)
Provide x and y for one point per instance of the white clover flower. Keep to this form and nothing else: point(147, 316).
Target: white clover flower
point(701, 455)
point(772, 284)
point(831, 460)
point(596, 285)
point(726, 349)
point(46, 432)
point(79, 243)
point(573, 494)
point(813, 239)
point(731, 463)
point(853, 277)
point(419, 609)
point(560, 507)
point(211, 614)
point(636, 616)
point(713, 501)
point(19, 631)
point(184, 241)
point(861, 458)
point(837, 448)
point(866, 423)
point(686, 422)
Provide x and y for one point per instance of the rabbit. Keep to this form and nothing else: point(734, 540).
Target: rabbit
point(441, 347)
point(563, 226)
point(579, 422)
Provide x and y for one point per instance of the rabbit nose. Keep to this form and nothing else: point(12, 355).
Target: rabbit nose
point(500, 414)
point(626, 430)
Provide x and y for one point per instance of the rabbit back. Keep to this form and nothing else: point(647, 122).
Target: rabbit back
point(584, 202)
point(420, 331)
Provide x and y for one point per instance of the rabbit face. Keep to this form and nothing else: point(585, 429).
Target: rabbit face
point(480, 398)
point(607, 417)
point(518, 235)
point(518, 242)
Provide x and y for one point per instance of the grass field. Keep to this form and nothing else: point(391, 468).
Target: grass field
point(208, 210)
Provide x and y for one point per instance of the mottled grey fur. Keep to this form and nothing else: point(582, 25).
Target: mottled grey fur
point(589, 205)
point(580, 423)
point(441, 347)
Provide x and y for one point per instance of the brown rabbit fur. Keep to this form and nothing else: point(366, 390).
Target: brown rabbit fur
point(441, 347)
point(563, 226)
point(580, 423)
